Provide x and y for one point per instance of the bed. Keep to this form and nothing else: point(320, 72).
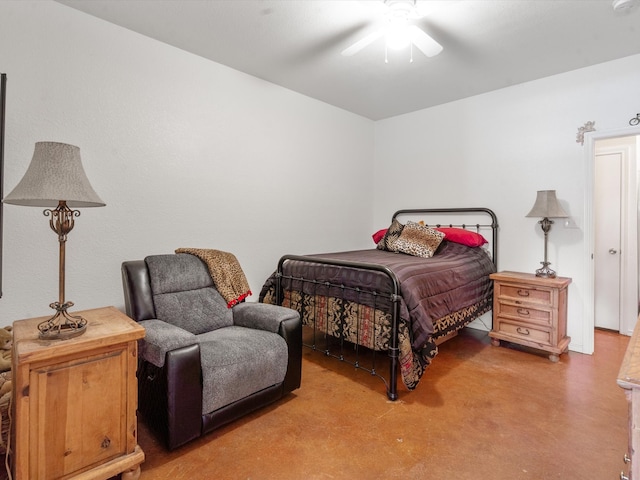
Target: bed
point(358, 304)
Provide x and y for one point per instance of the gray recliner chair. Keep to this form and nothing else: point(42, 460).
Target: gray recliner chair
point(202, 364)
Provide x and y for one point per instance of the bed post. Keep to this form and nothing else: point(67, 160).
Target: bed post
point(279, 294)
point(392, 390)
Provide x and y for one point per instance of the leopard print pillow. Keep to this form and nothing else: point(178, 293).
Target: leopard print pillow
point(418, 240)
point(393, 233)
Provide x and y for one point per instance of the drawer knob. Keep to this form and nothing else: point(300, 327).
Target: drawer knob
point(523, 293)
point(523, 311)
point(522, 331)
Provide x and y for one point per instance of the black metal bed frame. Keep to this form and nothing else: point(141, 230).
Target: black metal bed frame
point(393, 294)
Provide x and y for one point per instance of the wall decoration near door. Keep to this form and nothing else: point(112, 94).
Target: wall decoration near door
point(587, 127)
point(3, 98)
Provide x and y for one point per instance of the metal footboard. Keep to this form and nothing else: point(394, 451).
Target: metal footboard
point(393, 295)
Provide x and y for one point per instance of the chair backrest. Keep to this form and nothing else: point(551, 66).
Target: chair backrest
point(179, 290)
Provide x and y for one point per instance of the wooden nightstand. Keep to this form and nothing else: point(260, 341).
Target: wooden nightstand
point(75, 400)
point(531, 311)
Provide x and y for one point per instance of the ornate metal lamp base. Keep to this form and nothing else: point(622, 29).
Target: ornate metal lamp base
point(545, 271)
point(62, 325)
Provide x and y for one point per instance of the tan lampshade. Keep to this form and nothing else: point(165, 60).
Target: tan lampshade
point(547, 206)
point(55, 174)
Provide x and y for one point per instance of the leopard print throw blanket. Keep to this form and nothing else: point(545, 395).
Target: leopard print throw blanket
point(226, 273)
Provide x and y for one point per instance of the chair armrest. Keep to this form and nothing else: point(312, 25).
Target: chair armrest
point(283, 321)
point(291, 331)
point(160, 338)
point(262, 316)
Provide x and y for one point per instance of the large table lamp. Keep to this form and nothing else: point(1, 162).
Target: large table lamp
point(56, 180)
point(546, 207)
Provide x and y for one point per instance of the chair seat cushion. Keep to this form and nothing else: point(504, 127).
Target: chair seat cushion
point(239, 361)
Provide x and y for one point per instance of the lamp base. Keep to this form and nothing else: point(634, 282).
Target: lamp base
point(545, 271)
point(62, 325)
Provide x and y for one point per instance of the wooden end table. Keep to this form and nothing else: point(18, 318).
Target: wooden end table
point(75, 400)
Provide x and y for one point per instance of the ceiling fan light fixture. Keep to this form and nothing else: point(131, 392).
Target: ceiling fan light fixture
point(397, 36)
point(399, 32)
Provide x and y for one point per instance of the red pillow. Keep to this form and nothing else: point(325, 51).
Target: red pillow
point(378, 235)
point(465, 237)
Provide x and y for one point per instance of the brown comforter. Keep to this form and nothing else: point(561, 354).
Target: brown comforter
point(438, 295)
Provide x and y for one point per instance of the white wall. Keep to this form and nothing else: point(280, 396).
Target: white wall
point(184, 151)
point(496, 150)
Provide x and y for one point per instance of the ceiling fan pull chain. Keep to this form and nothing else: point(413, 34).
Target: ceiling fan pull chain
point(386, 58)
point(411, 58)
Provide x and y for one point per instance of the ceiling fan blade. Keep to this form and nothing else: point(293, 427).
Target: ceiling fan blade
point(363, 42)
point(424, 42)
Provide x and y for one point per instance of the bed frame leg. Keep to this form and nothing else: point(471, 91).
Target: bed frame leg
point(392, 389)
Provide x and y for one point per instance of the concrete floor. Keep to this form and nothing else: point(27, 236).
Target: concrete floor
point(480, 412)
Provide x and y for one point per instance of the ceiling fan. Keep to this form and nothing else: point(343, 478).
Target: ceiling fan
point(399, 30)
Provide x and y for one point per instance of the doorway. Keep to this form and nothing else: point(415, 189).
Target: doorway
point(615, 216)
point(630, 268)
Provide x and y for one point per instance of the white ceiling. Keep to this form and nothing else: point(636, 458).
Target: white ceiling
point(488, 44)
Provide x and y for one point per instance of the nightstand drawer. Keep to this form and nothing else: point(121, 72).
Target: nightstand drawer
point(522, 294)
point(524, 313)
point(524, 332)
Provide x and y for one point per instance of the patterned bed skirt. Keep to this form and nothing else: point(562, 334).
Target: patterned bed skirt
point(371, 328)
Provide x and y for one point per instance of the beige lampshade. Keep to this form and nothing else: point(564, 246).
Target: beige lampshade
point(55, 174)
point(547, 206)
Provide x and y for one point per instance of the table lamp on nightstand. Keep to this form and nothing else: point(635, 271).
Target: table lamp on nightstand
point(56, 180)
point(546, 207)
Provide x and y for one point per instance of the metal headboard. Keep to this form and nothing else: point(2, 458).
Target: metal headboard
point(468, 226)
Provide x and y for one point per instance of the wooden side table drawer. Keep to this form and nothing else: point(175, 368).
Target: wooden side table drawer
point(530, 311)
point(524, 313)
point(524, 293)
point(524, 332)
point(79, 420)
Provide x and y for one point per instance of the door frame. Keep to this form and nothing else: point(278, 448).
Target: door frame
point(590, 139)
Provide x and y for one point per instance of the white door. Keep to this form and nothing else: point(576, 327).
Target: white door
point(629, 138)
point(607, 253)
